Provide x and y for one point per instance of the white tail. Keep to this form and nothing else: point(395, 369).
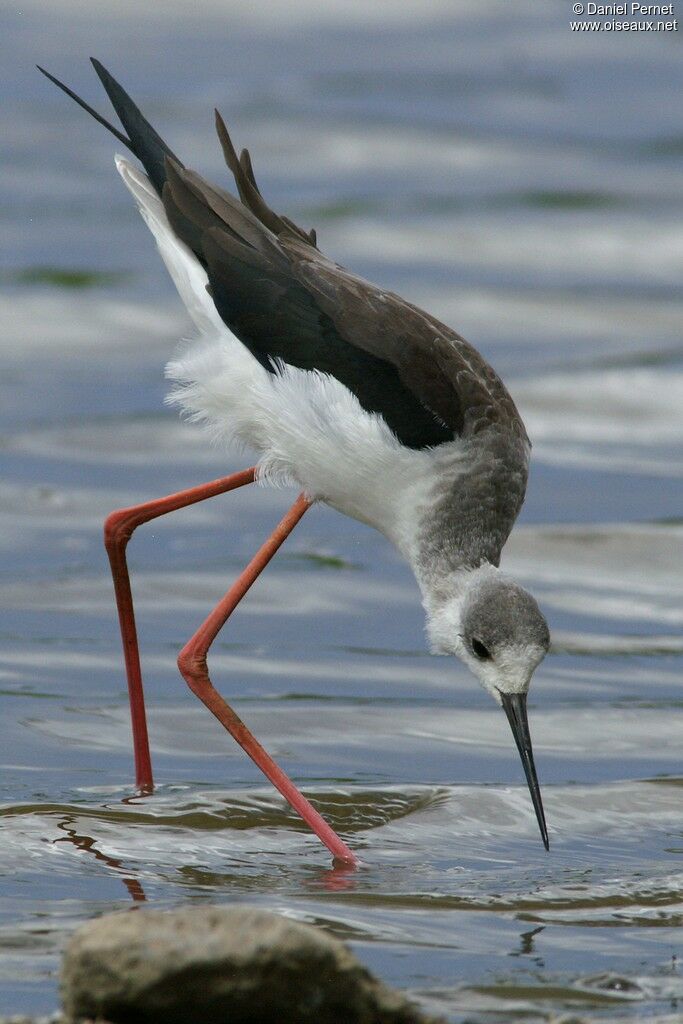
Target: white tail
point(187, 273)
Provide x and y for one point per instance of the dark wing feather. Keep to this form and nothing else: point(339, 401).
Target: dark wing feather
point(446, 373)
point(249, 192)
point(150, 148)
point(271, 309)
point(286, 301)
point(427, 382)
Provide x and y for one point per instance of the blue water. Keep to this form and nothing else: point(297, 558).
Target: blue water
point(524, 184)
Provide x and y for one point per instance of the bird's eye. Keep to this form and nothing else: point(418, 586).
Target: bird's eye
point(480, 650)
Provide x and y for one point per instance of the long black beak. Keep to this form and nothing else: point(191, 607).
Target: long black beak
point(514, 706)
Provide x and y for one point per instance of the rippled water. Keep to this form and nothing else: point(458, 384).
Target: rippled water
point(526, 186)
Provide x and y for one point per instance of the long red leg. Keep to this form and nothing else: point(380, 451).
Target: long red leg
point(192, 664)
point(118, 529)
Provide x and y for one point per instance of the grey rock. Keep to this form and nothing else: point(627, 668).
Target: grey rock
point(220, 965)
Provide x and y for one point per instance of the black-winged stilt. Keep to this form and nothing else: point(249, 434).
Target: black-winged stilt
point(363, 400)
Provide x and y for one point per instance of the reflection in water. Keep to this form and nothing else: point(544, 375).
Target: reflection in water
point(87, 845)
point(339, 878)
point(526, 945)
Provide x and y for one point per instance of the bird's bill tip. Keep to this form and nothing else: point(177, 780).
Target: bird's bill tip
point(514, 706)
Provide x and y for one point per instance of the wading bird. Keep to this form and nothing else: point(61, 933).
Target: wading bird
point(363, 400)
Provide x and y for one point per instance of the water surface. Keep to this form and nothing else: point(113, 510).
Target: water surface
point(523, 184)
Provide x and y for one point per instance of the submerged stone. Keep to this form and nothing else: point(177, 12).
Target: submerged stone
point(220, 965)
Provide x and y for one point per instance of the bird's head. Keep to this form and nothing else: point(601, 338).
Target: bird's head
point(496, 628)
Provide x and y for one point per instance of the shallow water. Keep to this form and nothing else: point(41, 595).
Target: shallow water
point(526, 186)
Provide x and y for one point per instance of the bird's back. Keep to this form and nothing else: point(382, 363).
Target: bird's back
point(343, 386)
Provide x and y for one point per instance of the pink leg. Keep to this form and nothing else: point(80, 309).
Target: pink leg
point(118, 529)
point(192, 664)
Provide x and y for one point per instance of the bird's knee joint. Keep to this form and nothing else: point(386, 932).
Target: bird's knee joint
point(192, 667)
point(117, 529)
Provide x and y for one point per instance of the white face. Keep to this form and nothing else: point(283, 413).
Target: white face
point(494, 627)
point(509, 670)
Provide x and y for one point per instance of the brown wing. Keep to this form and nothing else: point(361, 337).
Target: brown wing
point(259, 295)
point(286, 301)
point(447, 374)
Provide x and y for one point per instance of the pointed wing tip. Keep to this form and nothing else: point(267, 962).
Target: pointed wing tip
point(51, 77)
point(86, 106)
point(222, 128)
point(105, 77)
point(229, 154)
